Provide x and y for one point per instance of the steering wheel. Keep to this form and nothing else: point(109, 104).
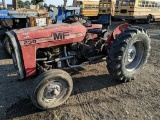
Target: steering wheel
point(75, 18)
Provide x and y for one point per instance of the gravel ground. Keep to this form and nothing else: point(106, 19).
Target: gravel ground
point(96, 96)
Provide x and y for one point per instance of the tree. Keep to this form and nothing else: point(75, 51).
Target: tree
point(27, 2)
point(21, 3)
point(33, 2)
point(52, 5)
point(45, 5)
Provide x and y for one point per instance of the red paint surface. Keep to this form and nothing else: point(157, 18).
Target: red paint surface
point(117, 31)
point(44, 38)
point(95, 26)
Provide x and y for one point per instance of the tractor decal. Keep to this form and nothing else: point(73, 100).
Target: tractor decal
point(60, 35)
point(28, 42)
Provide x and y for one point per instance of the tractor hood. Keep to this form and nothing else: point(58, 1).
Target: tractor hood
point(28, 40)
point(48, 33)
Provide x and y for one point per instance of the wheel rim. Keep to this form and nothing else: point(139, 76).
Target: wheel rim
point(53, 91)
point(134, 56)
point(131, 53)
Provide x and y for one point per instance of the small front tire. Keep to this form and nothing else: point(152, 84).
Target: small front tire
point(51, 89)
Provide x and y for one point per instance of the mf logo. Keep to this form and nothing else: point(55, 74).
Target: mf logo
point(60, 35)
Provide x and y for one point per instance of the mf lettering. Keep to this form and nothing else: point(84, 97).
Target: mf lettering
point(60, 35)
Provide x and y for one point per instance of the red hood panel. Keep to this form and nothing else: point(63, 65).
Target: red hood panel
point(46, 31)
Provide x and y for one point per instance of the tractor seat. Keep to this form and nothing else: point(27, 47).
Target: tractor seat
point(97, 31)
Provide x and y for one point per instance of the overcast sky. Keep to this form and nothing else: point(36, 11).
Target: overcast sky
point(54, 2)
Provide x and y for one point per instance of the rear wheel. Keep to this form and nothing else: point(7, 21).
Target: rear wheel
point(128, 53)
point(148, 20)
point(51, 89)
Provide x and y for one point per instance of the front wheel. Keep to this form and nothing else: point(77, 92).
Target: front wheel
point(128, 53)
point(51, 89)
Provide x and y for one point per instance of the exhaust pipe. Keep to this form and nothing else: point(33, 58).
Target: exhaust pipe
point(4, 4)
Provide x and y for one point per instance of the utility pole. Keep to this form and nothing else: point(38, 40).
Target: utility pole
point(65, 3)
point(15, 4)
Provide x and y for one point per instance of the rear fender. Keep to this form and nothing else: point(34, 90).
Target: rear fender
point(116, 32)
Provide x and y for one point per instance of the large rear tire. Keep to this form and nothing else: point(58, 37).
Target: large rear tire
point(51, 89)
point(128, 53)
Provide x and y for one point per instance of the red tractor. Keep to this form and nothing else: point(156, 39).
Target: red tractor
point(44, 51)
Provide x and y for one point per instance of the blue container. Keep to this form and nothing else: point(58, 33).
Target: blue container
point(4, 14)
point(65, 12)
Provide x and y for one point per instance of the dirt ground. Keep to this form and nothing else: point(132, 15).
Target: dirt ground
point(96, 96)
